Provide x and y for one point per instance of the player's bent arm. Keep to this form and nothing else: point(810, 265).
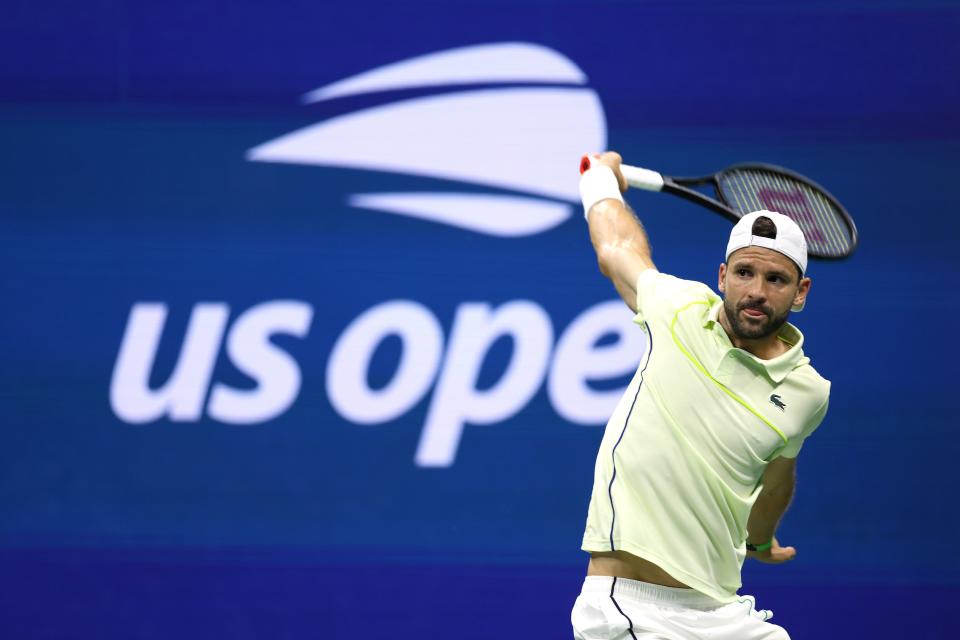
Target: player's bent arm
point(779, 481)
point(622, 246)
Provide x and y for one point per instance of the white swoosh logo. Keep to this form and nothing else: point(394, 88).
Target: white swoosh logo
point(496, 215)
point(489, 63)
point(521, 139)
point(526, 140)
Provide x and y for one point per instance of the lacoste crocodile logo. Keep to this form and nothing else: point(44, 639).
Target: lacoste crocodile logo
point(778, 403)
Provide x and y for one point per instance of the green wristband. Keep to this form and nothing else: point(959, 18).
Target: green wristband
point(759, 547)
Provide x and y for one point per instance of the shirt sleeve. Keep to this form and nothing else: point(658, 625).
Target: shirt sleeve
point(792, 449)
point(660, 295)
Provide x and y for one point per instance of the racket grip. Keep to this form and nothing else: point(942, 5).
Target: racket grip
point(642, 178)
point(635, 176)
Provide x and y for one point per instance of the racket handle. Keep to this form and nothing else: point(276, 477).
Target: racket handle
point(642, 178)
point(635, 176)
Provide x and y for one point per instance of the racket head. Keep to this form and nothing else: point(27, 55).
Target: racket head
point(827, 226)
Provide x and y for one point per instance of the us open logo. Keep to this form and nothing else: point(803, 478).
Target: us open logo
point(513, 139)
point(519, 138)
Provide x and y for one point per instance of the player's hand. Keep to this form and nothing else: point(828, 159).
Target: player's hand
point(775, 554)
point(613, 160)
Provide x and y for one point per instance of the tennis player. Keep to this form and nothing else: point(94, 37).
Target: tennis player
point(697, 463)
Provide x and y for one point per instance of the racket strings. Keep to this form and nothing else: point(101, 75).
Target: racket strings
point(823, 223)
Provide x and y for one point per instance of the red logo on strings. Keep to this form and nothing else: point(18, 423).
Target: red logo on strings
point(795, 205)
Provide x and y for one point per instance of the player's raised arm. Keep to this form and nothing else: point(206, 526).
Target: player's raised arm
point(623, 250)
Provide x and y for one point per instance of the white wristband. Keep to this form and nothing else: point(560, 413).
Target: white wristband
point(598, 183)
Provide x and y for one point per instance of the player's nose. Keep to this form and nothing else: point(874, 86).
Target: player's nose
point(756, 290)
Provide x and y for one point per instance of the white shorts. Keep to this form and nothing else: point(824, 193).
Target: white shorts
point(621, 609)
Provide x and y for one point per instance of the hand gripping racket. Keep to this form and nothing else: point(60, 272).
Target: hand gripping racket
point(742, 188)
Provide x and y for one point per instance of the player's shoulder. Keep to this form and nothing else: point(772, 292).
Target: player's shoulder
point(654, 286)
point(661, 296)
point(814, 383)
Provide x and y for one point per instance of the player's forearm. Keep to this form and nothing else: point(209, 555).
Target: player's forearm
point(767, 512)
point(621, 244)
point(615, 228)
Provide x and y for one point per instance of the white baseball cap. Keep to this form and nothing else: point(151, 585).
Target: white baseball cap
point(789, 239)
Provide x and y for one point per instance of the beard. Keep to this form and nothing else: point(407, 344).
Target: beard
point(753, 331)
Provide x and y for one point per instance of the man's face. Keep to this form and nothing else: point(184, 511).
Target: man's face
point(759, 286)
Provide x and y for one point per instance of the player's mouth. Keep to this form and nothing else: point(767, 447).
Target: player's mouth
point(753, 312)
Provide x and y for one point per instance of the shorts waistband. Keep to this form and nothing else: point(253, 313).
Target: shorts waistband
point(647, 592)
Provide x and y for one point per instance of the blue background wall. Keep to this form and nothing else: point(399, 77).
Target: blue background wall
point(124, 181)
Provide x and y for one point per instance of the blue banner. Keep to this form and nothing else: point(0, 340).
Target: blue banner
point(303, 294)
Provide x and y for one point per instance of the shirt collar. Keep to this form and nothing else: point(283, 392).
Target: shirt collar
point(776, 368)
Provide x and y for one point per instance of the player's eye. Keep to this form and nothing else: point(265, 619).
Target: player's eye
point(743, 272)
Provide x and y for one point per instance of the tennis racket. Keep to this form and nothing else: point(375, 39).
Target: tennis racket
point(742, 188)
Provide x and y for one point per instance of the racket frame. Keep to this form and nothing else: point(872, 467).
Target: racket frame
point(650, 180)
point(679, 186)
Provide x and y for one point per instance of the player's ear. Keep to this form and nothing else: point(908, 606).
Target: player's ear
point(723, 272)
point(802, 291)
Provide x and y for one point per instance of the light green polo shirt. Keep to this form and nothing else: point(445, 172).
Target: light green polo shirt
point(682, 457)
